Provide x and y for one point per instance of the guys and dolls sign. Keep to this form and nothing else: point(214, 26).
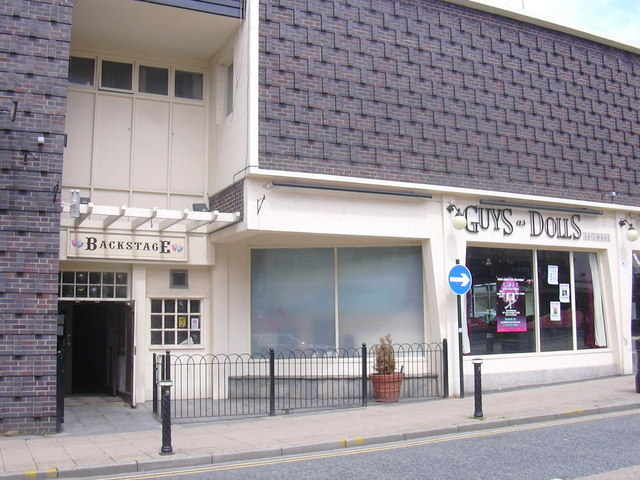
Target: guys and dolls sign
point(510, 305)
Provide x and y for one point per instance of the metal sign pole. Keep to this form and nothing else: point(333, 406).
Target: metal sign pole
point(460, 360)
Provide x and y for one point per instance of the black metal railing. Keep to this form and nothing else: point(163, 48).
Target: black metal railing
point(291, 380)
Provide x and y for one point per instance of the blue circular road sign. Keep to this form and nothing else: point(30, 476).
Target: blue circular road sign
point(459, 279)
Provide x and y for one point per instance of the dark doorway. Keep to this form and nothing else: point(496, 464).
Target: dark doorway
point(98, 346)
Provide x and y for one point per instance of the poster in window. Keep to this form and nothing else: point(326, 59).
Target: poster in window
point(510, 305)
point(552, 275)
point(564, 293)
point(555, 311)
point(182, 321)
point(195, 323)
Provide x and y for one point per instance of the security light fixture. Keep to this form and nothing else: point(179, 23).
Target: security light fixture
point(13, 110)
point(200, 207)
point(458, 221)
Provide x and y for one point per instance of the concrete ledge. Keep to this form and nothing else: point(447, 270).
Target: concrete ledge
point(94, 470)
point(248, 455)
point(173, 461)
point(532, 419)
point(436, 432)
point(483, 425)
point(311, 448)
point(31, 474)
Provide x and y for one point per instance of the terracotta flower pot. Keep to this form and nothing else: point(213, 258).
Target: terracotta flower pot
point(386, 388)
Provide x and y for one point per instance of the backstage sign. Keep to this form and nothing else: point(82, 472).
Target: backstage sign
point(126, 247)
point(501, 219)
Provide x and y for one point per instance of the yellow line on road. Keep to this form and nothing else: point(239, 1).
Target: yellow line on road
point(371, 449)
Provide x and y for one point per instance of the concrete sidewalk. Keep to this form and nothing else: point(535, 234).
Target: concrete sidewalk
point(82, 454)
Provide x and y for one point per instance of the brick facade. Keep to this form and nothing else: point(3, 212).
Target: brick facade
point(230, 199)
point(34, 46)
point(431, 92)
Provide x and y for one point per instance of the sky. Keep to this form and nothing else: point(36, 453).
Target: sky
point(617, 20)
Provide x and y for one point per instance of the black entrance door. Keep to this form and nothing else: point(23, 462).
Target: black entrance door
point(99, 348)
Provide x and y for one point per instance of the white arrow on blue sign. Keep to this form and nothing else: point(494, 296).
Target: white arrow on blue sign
point(460, 279)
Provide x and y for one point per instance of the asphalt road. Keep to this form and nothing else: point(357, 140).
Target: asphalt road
point(567, 449)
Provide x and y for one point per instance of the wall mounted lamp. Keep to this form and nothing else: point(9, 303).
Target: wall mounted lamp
point(458, 221)
point(631, 234)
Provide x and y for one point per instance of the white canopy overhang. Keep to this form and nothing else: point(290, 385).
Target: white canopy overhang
point(106, 217)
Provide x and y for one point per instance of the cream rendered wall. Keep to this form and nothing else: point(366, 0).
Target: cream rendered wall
point(137, 149)
point(154, 281)
point(233, 139)
point(291, 217)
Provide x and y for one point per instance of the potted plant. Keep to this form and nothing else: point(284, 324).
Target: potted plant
point(386, 381)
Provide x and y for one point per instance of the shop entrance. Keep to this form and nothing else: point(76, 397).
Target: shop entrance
point(96, 342)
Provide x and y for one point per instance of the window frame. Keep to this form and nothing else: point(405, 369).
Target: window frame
point(536, 278)
point(135, 88)
point(164, 329)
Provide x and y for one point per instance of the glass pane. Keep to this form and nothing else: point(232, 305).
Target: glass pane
point(121, 292)
point(82, 277)
point(556, 330)
point(153, 80)
point(590, 325)
point(68, 277)
point(81, 291)
point(107, 278)
point(156, 321)
point(182, 306)
point(170, 306)
point(94, 291)
point(380, 292)
point(169, 338)
point(156, 338)
point(107, 292)
point(195, 338)
point(121, 278)
point(117, 75)
point(81, 71)
point(500, 305)
point(188, 85)
point(169, 321)
point(95, 278)
point(292, 299)
point(156, 306)
point(195, 306)
point(182, 338)
point(67, 290)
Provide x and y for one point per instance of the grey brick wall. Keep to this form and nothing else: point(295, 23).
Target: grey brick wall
point(34, 50)
point(430, 92)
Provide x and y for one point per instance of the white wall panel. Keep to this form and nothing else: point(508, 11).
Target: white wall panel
point(188, 152)
point(79, 128)
point(113, 141)
point(150, 145)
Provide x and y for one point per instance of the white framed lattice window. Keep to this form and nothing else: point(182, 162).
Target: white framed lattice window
point(93, 285)
point(176, 321)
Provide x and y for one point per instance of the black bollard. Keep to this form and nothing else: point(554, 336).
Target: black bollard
point(165, 406)
point(477, 378)
point(637, 345)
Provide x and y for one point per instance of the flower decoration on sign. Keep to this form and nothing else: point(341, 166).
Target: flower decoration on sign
point(177, 248)
point(77, 243)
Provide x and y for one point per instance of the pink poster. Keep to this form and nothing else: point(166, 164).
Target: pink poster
point(510, 305)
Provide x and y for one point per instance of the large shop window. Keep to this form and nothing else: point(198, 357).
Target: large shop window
point(300, 298)
point(176, 321)
point(533, 301)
